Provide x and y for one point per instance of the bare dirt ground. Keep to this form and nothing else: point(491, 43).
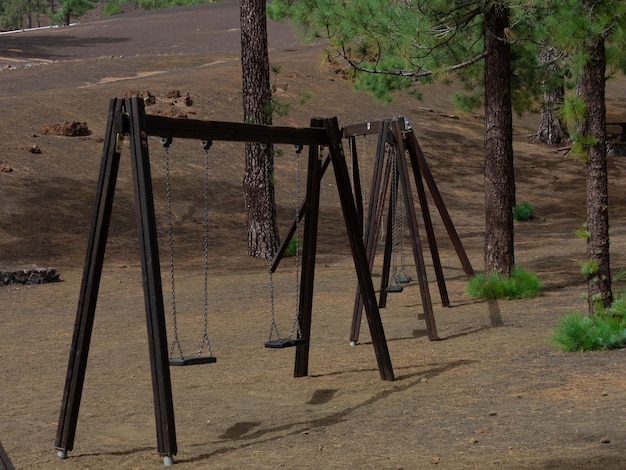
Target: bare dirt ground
point(492, 394)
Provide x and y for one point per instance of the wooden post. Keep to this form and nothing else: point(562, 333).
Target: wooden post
point(309, 250)
point(419, 161)
point(355, 237)
point(378, 190)
point(92, 272)
point(405, 181)
point(151, 272)
point(5, 462)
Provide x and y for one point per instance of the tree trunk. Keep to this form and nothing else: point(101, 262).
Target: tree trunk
point(499, 171)
point(257, 183)
point(592, 88)
point(551, 130)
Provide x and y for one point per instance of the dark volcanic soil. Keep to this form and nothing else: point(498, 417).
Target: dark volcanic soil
point(492, 394)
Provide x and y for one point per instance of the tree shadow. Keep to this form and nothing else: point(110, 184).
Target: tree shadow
point(49, 47)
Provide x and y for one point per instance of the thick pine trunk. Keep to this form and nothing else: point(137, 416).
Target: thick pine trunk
point(257, 183)
point(592, 88)
point(499, 172)
point(551, 129)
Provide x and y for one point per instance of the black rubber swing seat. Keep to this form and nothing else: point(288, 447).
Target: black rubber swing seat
point(393, 289)
point(404, 279)
point(284, 343)
point(191, 360)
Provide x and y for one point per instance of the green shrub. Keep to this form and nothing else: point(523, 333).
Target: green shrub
point(520, 285)
point(156, 4)
point(112, 7)
point(523, 211)
point(292, 247)
point(605, 330)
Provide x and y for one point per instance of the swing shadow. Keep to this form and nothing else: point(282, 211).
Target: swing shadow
point(121, 453)
point(495, 318)
point(302, 427)
point(239, 431)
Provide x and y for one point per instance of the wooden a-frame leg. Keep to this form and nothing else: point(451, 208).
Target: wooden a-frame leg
point(309, 249)
point(405, 182)
point(151, 272)
point(92, 271)
point(376, 205)
point(419, 161)
point(355, 237)
point(5, 461)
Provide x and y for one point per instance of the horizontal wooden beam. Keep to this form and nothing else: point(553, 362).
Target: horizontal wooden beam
point(161, 126)
point(365, 128)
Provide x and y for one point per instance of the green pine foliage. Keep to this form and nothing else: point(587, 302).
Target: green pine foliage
point(158, 4)
point(111, 8)
point(523, 211)
point(520, 285)
point(292, 247)
point(398, 46)
point(604, 330)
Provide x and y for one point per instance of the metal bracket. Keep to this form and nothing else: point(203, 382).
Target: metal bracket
point(119, 141)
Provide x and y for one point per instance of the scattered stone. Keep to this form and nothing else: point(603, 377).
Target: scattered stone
point(32, 276)
point(5, 167)
point(173, 94)
point(34, 149)
point(187, 99)
point(605, 440)
point(148, 98)
point(173, 112)
point(67, 129)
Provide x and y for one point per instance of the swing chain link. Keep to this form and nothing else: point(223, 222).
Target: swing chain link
point(403, 276)
point(204, 341)
point(394, 205)
point(268, 230)
point(296, 321)
point(166, 142)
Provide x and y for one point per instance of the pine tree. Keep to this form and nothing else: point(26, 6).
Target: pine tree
point(592, 34)
point(257, 187)
point(399, 45)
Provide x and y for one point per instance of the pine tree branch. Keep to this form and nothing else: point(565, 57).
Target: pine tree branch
point(419, 73)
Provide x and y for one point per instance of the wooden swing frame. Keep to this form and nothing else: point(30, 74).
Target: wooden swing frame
point(127, 118)
point(5, 462)
point(397, 132)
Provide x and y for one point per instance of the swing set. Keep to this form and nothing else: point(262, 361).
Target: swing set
point(127, 119)
point(392, 182)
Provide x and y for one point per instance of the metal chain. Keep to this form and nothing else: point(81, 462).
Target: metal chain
point(166, 142)
point(268, 230)
point(403, 276)
point(296, 322)
point(364, 193)
point(394, 205)
point(204, 341)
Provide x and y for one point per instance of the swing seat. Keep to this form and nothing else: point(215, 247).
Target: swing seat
point(404, 279)
point(191, 360)
point(283, 343)
point(394, 289)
